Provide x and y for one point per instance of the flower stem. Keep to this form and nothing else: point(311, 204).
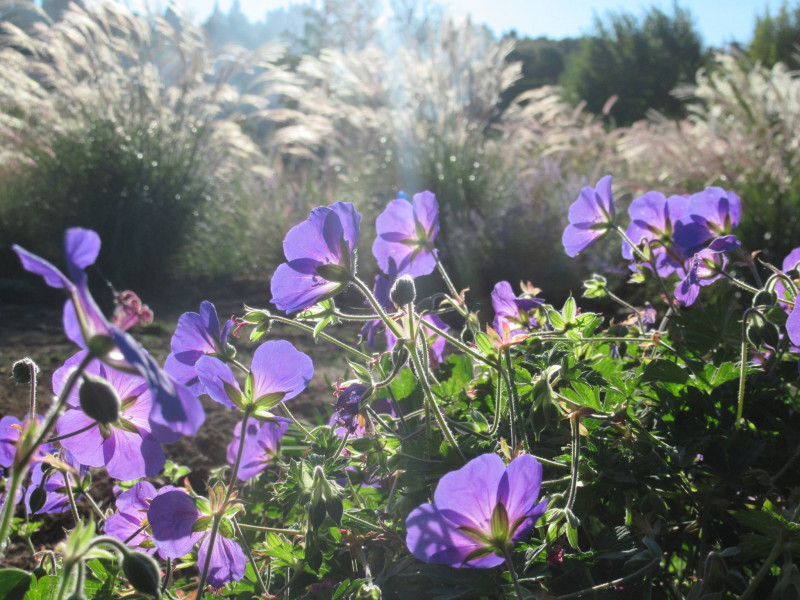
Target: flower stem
point(212, 536)
point(71, 498)
point(513, 573)
point(462, 310)
point(300, 426)
point(21, 464)
point(249, 554)
point(431, 403)
point(742, 370)
point(270, 529)
point(321, 335)
point(33, 370)
point(576, 455)
point(390, 323)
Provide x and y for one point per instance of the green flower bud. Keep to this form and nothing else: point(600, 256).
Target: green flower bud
point(99, 399)
point(143, 573)
point(403, 291)
point(37, 499)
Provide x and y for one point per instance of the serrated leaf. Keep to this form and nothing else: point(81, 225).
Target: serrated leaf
point(665, 371)
point(484, 344)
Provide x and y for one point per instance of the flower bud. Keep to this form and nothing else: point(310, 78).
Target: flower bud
point(142, 572)
point(37, 499)
point(99, 399)
point(403, 291)
point(21, 370)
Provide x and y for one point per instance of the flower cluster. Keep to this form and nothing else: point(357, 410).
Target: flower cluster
point(686, 234)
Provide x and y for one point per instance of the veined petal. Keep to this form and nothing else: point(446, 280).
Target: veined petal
point(280, 367)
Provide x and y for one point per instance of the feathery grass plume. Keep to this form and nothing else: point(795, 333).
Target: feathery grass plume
point(131, 125)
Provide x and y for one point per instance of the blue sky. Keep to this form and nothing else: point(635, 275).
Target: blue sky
point(718, 21)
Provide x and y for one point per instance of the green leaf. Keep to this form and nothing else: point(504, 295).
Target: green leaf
point(665, 371)
point(14, 584)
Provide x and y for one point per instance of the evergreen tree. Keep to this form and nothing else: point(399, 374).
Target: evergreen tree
point(641, 62)
point(777, 39)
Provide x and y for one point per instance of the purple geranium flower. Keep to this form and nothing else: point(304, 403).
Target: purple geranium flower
point(347, 412)
point(200, 334)
point(173, 516)
point(704, 268)
point(711, 213)
point(653, 218)
point(278, 372)
point(197, 334)
point(261, 446)
point(126, 447)
point(406, 231)
point(478, 512)
point(228, 562)
point(791, 261)
point(175, 408)
point(126, 524)
point(591, 216)
point(321, 257)
point(512, 310)
point(436, 343)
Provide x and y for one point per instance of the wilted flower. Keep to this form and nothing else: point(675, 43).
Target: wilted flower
point(591, 216)
point(126, 447)
point(321, 258)
point(175, 408)
point(478, 513)
point(704, 269)
point(406, 231)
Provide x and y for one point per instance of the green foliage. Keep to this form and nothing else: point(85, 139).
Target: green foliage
point(638, 62)
point(775, 38)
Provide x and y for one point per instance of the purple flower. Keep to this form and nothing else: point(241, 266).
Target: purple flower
point(278, 372)
point(126, 524)
point(512, 310)
point(406, 231)
point(200, 334)
point(175, 408)
point(173, 516)
point(478, 512)
point(653, 217)
point(261, 446)
point(591, 216)
point(704, 268)
point(436, 343)
point(791, 261)
point(711, 213)
point(126, 447)
point(228, 561)
point(321, 258)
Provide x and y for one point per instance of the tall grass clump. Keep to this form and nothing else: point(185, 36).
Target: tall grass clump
point(131, 125)
point(429, 115)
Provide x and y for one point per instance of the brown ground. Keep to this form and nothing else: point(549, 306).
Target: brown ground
point(35, 331)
